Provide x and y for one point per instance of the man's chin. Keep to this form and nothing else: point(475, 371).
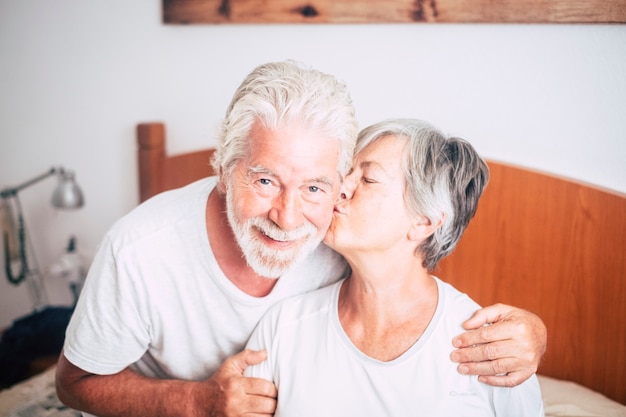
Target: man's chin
point(269, 272)
point(280, 261)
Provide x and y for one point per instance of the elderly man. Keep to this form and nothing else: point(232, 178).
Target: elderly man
point(179, 283)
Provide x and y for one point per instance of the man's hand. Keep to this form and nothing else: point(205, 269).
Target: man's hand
point(504, 345)
point(229, 393)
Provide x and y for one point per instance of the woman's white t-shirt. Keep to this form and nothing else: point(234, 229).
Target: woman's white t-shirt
point(319, 371)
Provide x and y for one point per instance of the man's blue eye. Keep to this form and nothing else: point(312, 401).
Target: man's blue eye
point(265, 181)
point(313, 189)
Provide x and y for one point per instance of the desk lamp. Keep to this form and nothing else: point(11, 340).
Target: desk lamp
point(67, 195)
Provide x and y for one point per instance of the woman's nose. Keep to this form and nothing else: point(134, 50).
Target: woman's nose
point(347, 187)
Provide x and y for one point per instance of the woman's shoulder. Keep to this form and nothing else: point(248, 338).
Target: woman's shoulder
point(456, 302)
point(293, 310)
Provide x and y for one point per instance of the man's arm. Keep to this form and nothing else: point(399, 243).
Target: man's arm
point(504, 345)
point(226, 393)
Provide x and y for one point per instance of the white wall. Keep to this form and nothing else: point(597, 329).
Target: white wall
point(76, 76)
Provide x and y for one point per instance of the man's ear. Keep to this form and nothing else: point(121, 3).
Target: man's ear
point(423, 228)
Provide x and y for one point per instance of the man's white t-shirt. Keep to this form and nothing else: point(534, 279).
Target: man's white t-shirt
point(320, 372)
point(155, 298)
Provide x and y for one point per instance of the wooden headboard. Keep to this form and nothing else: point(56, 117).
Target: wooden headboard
point(159, 171)
point(551, 245)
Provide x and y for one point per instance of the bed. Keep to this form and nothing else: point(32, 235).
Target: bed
point(551, 245)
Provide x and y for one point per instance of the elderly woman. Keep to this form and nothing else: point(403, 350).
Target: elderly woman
point(378, 342)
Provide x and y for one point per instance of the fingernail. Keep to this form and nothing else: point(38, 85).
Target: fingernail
point(464, 370)
point(454, 356)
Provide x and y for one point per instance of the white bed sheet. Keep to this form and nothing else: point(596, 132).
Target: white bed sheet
point(36, 397)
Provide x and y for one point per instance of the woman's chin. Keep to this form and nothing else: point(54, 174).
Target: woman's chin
point(332, 242)
point(329, 238)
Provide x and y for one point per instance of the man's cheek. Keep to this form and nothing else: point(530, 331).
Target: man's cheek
point(325, 217)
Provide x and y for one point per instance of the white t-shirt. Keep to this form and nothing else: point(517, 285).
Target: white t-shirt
point(319, 371)
point(155, 297)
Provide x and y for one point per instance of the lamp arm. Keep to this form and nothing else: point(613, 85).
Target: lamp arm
point(11, 191)
point(16, 280)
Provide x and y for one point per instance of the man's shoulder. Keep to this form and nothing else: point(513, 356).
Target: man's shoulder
point(170, 202)
point(162, 212)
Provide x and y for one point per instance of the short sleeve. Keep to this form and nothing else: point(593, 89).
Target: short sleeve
point(108, 330)
point(523, 400)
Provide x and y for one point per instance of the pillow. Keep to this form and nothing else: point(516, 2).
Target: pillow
point(567, 398)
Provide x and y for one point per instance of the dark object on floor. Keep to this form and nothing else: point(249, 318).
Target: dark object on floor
point(37, 335)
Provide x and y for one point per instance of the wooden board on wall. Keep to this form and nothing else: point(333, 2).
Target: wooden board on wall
point(393, 11)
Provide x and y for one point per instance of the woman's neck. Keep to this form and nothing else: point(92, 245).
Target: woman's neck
point(386, 304)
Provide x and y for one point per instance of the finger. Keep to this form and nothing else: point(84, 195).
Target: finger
point(497, 367)
point(485, 352)
point(260, 387)
point(254, 357)
point(510, 380)
point(488, 315)
point(242, 360)
point(261, 405)
point(250, 405)
point(486, 334)
point(242, 395)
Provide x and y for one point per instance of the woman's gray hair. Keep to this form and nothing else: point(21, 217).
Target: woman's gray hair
point(444, 178)
point(279, 93)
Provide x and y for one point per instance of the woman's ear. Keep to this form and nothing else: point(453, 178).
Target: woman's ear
point(423, 228)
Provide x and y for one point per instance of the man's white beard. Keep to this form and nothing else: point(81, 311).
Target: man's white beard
point(266, 261)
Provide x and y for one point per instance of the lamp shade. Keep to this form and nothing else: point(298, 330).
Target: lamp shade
point(67, 194)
